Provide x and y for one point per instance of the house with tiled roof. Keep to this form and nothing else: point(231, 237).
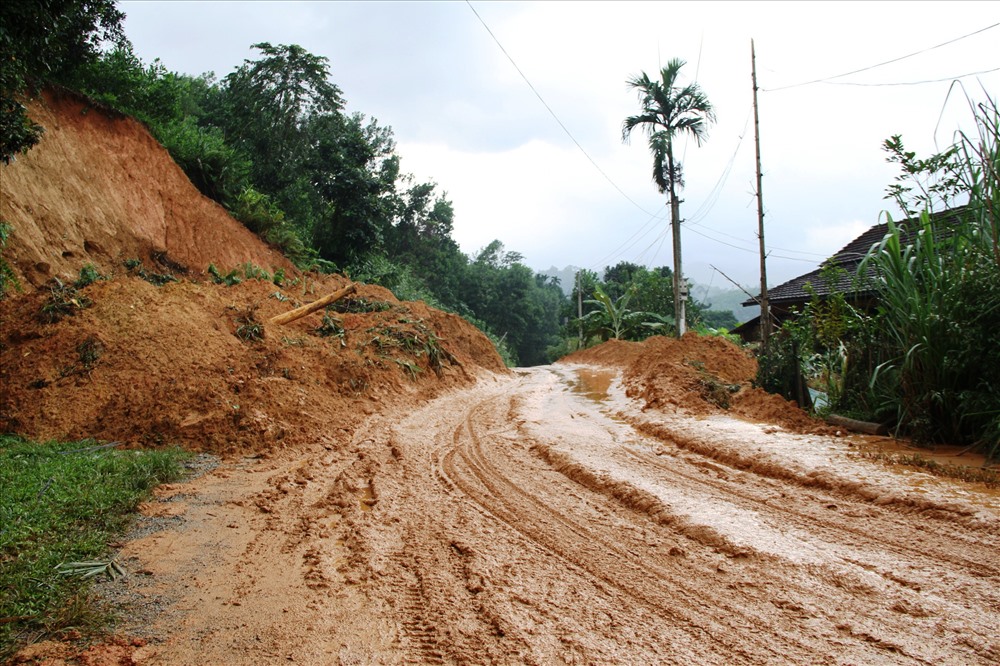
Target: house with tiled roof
point(858, 289)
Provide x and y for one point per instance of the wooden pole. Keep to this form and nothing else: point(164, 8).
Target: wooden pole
point(765, 313)
point(300, 312)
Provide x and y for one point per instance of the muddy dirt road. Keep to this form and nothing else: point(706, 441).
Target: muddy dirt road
point(541, 518)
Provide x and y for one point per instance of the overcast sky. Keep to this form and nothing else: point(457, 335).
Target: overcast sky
point(560, 187)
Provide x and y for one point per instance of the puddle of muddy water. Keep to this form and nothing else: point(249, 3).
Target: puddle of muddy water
point(943, 455)
point(956, 466)
point(593, 383)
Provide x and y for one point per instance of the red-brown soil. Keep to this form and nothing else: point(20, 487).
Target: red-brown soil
point(169, 368)
point(697, 375)
point(99, 189)
point(163, 365)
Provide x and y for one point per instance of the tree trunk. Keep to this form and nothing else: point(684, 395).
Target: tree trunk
point(857, 426)
point(675, 228)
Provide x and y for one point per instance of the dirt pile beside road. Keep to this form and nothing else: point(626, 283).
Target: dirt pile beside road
point(181, 363)
point(696, 375)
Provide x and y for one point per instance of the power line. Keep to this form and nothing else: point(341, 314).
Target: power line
point(881, 64)
point(553, 113)
point(913, 83)
point(630, 242)
point(714, 194)
point(716, 191)
point(750, 250)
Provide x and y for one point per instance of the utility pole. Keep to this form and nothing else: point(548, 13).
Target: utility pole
point(579, 306)
point(765, 311)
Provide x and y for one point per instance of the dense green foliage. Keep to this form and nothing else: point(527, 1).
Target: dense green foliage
point(631, 302)
point(928, 359)
point(59, 503)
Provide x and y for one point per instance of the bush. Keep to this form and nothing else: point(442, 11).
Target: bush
point(219, 171)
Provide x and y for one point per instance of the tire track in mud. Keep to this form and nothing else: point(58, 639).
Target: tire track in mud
point(924, 567)
point(729, 629)
point(819, 479)
point(837, 523)
point(419, 625)
point(924, 562)
point(927, 568)
point(474, 472)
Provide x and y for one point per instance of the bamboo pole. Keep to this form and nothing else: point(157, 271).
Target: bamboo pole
point(765, 310)
point(302, 311)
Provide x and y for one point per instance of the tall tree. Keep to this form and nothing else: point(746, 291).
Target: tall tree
point(271, 102)
point(670, 110)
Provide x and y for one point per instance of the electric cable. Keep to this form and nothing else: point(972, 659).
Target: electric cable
point(912, 83)
point(881, 64)
point(553, 113)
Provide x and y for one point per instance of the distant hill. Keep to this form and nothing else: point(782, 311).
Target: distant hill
point(717, 298)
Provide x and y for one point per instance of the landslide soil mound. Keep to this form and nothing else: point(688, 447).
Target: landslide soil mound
point(180, 363)
point(697, 375)
point(191, 362)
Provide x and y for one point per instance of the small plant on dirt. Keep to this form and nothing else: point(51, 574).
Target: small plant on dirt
point(255, 272)
point(135, 267)
point(7, 277)
point(331, 327)
point(63, 300)
point(88, 276)
point(229, 279)
point(280, 297)
point(279, 277)
point(90, 350)
point(248, 328)
point(410, 367)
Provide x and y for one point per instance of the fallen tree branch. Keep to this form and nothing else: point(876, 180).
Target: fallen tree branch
point(300, 312)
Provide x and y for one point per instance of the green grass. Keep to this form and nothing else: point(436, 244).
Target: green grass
point(60, 503)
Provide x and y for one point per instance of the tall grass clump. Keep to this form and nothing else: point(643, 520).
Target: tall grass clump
point(939, 313)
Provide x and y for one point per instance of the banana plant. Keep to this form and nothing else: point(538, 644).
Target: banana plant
point(613, 315)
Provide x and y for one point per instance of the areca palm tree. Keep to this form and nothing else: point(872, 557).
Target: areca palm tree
point(670, 110)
